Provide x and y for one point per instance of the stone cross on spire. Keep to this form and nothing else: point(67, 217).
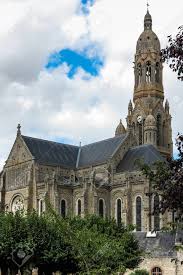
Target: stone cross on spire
point(19, 130)
point(148, 5)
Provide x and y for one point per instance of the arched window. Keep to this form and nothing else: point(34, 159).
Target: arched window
point(79, 207)
point(157, 72)
point(156, 213)
point(17, 204)
point(164, 134)
point(156, 271)
point(101, 208)
point(138, 214)
point(158, 130)
point(118, 211)
point(63, 208)
point(41, 206)
point(140, 133)
point(150, 135)
point(139, 73)
point(148, 71)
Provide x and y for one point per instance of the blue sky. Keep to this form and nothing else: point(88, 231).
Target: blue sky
point(86, 4)
point(75, 60)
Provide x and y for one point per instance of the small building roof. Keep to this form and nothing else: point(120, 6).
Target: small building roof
point(163, 245)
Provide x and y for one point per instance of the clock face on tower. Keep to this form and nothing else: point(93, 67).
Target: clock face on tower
point(139, 119)
point(17, 204)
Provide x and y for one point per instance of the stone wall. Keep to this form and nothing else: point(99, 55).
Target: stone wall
point(166, 264)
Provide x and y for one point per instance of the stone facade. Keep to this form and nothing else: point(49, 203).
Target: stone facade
point(94, 180)
point(165, 263)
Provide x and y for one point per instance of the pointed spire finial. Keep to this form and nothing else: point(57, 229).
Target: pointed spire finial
point(19, 130)
point(147, 19)
point(130, 104)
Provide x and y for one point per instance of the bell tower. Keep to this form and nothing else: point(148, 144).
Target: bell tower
point(148, 117)
point(148, 67)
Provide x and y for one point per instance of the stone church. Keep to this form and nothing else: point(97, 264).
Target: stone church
point(103, 178)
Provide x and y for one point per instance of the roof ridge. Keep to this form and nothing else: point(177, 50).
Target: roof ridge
point(140, 146)
point(78, 156)
point(51, 141)
point(102, 140)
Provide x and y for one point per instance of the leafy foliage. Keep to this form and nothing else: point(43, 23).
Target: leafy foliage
point(84, 246)
point(167, 180)
point(40, 235)
point(114, 248)
point(173, 53)
point(140, 272)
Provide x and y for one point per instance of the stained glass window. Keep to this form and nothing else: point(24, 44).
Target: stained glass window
point(156, 213)
point(118, 211)
point(101, 208)
point(79, 207)
point(63, 208)
point(138, 214)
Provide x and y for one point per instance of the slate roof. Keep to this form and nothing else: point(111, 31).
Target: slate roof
point(148, 153)
point(163, 245)
point(99, 152)
point(52, 153)
point(69, 156)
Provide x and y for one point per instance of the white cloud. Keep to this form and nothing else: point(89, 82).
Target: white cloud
point(49, 105)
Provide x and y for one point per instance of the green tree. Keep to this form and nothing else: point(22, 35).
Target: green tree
point(41, 236)
point(173, 53)
point(103, 247)
point(83, 246)
point(166, 179)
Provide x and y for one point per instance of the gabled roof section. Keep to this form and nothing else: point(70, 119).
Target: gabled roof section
point(70, 156)
point(99, 152)
point(148, 153)
point(52, 153)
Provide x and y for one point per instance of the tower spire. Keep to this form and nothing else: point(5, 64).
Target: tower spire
point(147, 123)
point(148, 19)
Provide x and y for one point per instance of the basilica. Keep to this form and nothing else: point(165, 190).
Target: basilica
point(103, 178)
